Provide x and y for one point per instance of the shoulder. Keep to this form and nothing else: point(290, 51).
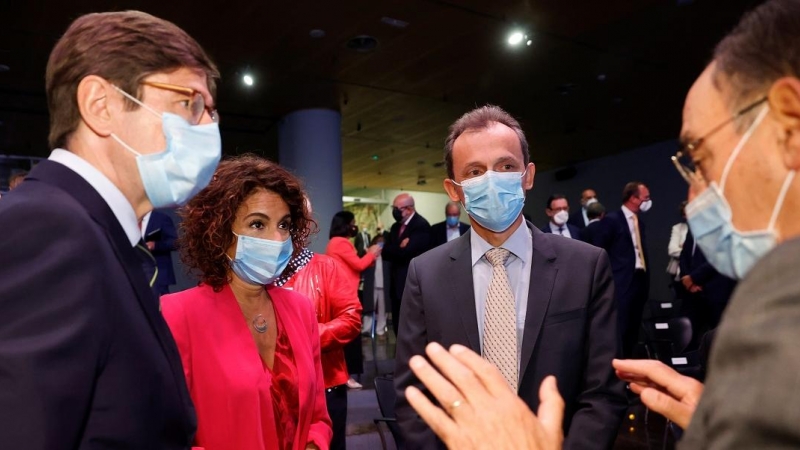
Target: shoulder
point(438, 225)
point(294, 303)
point(338, 243)
point(196, 298)
point(574, 249)
point(420, 221)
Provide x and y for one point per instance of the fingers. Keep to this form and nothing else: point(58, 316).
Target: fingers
point(442, 389)
point(439, 421)
point(551, 407)
point(657, 373)
point(483, 371)
point(669, 407)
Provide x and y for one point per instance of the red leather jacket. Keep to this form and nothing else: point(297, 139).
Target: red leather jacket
point(338, 312)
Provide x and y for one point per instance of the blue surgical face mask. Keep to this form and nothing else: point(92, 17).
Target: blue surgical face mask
point(494, 199)
point(260, 261)
point(732, 252)
point(170, 178)
point(451, 221)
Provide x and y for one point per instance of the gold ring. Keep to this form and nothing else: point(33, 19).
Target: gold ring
point(455, 404)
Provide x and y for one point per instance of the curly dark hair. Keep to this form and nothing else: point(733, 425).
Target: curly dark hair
point(207, 226)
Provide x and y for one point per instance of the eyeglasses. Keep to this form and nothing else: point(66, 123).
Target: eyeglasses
point(683, 158)
point(197, 103)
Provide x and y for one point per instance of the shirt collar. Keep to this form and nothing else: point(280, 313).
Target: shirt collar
point(120, 206)
point(554, 227)
point(628, 213)
point(519, 244)
point(409, 218)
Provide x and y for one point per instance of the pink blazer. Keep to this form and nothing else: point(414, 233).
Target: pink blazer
point(229, 386)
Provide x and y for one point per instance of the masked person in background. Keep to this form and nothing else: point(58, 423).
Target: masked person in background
point(533, 304)
point(558, 211)
point(86, 360)
point(250, 350)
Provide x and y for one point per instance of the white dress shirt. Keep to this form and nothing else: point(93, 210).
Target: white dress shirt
point(115, 199)
point(585, 217)
point(563, 230)
point(518, 267)
point(453, 233)
point(629, 216)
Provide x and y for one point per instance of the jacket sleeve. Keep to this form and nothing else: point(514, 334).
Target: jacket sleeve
point(346, 253)
point(345, 310)
point(602, 401)
point(413, 337)
point(320, 431)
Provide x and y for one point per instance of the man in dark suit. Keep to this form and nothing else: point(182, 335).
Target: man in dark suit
point(558, 211)
point(705, 291)
point(622, 235)
point(596, 212)
point(409, 237)
point(580, 218)
point(533, 304)
point(86, 359)
point(160, 236)
point(451, 228)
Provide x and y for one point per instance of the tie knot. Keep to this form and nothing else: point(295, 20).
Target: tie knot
point(497, 256)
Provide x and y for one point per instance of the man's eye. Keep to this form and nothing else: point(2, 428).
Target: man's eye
point(185, 103)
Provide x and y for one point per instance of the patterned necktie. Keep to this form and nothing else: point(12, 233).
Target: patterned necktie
point(638, 240)
point(500, 320)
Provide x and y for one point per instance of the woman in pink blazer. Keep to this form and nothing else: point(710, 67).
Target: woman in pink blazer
point(250, 350)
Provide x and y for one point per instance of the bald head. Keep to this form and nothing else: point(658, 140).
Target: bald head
point(405, 204)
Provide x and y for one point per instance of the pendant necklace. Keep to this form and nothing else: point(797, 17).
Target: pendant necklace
point(260, 323)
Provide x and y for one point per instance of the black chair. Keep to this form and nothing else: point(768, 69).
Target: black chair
point(384, 390)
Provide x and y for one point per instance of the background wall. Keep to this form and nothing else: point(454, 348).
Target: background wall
point(607, 176)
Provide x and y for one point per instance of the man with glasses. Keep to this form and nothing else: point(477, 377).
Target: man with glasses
point(409, 237)
point(741, 127)
point(86, 360)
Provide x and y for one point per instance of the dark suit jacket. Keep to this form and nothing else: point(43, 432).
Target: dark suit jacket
point(574, 231)
point(86, 359)
point(439, 232)
point(591, 231)
point(570, 332)
point(717, 288)
point(418, 233)
point(576, 219)
point(163, 247)
point(613, 235)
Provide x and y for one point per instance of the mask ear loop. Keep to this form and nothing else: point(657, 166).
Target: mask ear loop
point(740, 145)
point(140, 103)
point(781, 197)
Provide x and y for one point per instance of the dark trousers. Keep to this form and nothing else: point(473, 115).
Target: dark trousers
point(336, 398)
point(395, 313)
point(630, 309)
point(353, 356)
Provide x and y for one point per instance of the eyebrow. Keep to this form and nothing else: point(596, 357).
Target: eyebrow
point(259, 214)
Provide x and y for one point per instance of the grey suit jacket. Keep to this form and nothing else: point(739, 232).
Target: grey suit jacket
point(570, 332)
point(752, 394)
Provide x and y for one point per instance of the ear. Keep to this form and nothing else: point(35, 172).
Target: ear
point(93, 103)
point(451, 189)
point(527, 182)
point(784, 102)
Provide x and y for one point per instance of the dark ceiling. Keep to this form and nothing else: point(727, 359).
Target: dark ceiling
point(599, 77)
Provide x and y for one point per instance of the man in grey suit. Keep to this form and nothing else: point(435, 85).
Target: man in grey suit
point(533, 304)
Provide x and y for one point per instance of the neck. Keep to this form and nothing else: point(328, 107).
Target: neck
point(249, 295)
point(496, 239)
point(788, 223)
point(120, 169)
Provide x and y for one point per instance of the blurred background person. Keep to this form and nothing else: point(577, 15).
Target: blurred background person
point(595, 211)
point(451, 228)
point(250, 350)
point(676, 239)
point(159, 235)
point(557, 210)
point(580, 218)
point(319, 278)
point(343, 227)
point(16, 179)
point(382, 280)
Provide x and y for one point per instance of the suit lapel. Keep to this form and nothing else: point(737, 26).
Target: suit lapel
point(463, 291)
point(540, 289)
point(73, 184)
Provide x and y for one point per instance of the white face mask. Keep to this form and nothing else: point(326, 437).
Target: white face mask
point(646, 205)
point(560, 218)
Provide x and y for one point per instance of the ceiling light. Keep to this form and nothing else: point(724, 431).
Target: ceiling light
point(248, 79)
point(515, 38)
